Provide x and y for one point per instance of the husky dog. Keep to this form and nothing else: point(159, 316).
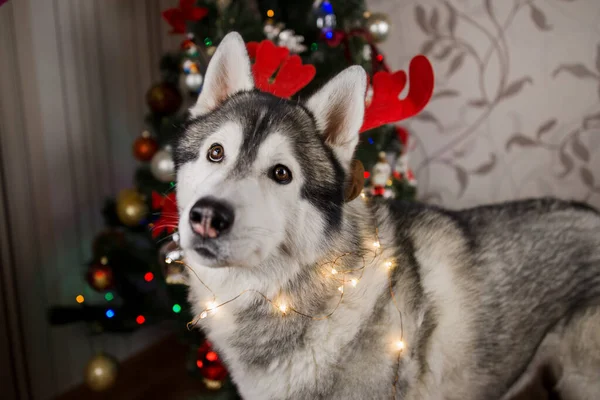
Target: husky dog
point(436, 304)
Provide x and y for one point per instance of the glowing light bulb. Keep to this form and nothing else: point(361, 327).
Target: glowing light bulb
point(168, 260)
point(376, 244)
point(283, 308)
point(341, 289)
point(80, 299)
point(203, 314)
point(270, 13)
point(212, 306)
point(333, 271)
point(388, 264)
point(354, 282)
point(140, 319)
point(363, 195)
point(399, 345)
point(176, 308)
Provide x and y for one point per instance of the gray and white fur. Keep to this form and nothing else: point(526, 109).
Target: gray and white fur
point(484, 297)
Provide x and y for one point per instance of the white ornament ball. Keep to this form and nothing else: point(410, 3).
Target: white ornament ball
point(194, 82)
point(379, 26)
point(163, 166)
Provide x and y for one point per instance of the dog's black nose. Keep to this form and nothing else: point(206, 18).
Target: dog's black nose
point(210, 217)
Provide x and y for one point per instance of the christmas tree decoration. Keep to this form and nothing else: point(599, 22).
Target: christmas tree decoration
point(326, 20)
point(284, 37)
point(100, 277)
point(178, 16)
point(164, 99)
point(210, 50)
point(101, 372)
point(193, 78)
point(131, 207)
point(170, 257)
point(211, 368)
point(169, 215)
point(163, 166)
point(189, 47)
point(380, 175)
point(379, 26)
point(145, 147)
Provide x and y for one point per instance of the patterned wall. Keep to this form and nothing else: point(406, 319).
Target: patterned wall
point(516, 110)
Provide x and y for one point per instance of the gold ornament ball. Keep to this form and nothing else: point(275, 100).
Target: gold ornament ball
point(131, 207)
point(379, 25)
point(101, 372)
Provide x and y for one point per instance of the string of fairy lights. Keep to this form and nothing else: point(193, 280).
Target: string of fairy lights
point(331, 269)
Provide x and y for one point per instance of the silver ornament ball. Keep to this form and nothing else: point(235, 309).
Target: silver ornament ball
point(163, 166)
point(194, 82)
point(379, 26)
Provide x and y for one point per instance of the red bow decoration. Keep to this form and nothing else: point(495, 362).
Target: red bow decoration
point(169, 215)
point(386, 106)
point(291, 76)
point(403, 135)
point(187, 11)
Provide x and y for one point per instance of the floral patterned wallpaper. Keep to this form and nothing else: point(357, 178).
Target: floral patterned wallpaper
point(516, 110)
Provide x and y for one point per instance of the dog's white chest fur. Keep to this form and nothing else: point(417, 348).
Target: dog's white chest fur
point(327, 341)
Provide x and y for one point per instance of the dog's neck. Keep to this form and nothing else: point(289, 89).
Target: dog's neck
point(266, 328)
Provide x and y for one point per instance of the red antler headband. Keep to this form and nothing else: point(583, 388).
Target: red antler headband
point(385, 107)
point(291, 74)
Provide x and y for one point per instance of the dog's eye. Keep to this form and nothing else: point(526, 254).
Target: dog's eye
point(216, 153)
point(281, 174)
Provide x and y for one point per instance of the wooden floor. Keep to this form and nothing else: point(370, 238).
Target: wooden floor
point(157, 373)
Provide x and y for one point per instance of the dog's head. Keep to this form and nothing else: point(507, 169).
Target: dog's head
point(260, 176)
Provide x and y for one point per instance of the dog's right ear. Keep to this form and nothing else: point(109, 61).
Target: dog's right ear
point(228, 72)
point(339, 108)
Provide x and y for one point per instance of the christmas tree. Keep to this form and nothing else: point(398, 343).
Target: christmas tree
point(137, 264)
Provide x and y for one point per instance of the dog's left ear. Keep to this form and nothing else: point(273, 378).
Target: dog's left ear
point(339, 109)
point(228, 73)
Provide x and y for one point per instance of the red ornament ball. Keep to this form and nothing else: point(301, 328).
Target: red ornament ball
point(212, 369)
point(145, 147)
point(164, 99)
point(100, 277)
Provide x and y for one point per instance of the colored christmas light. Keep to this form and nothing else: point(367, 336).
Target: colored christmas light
point(140, 319)
point(176, 308)
point(80, 299)
point(148, 276)
point(327, 7)
point(211, 356)
point(109, 296)
point(270, 13)
point(110, 313)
